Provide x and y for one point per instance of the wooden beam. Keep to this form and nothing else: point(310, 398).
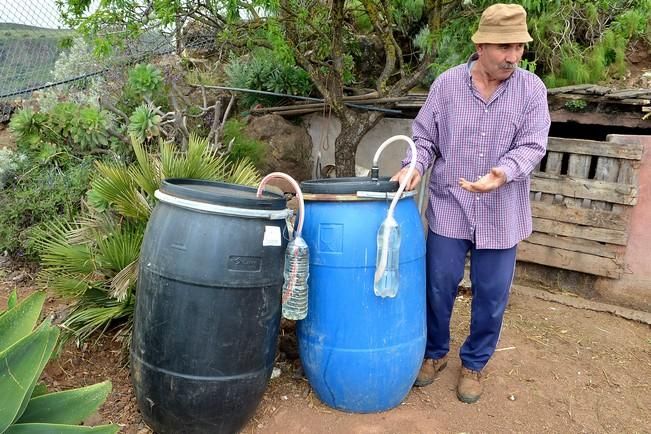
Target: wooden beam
point(568, 260)
point(577, 245)
point(564, 89)
point(622, 119)
point(580, 216)
point(584, 188)
point(593, 147)
point(554, 227)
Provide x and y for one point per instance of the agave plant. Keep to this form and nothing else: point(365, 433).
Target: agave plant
point(25, 406)
point(94, 259)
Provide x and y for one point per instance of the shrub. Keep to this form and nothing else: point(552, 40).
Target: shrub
point(241, 146)
point(38, 193)
point(263, 72)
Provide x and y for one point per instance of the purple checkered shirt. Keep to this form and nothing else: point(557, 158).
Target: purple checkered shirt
point(464, 136)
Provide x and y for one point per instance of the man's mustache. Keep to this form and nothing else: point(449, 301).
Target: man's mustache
point(508, 65)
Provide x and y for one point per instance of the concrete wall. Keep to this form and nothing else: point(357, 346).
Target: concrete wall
point(324, 131)
point(635, 285)
point(632, 290)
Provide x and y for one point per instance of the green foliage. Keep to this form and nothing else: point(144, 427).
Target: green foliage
point(94, 260)
point(145, 80)
point(575, 105)
point(241, 146)
point(66, 127)
point(144, 123)
point(263, 72)
point(144, 83)
point(24, 352)
point(39, 192)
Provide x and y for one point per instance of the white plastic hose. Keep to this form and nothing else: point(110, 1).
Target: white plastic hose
point(381, 267)
point(299, 195)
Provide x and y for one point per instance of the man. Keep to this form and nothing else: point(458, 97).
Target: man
point(483, 128)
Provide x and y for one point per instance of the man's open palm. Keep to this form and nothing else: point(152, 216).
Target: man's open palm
point(489, 182)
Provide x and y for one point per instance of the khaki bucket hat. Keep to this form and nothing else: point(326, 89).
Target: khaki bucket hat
point(502, 24)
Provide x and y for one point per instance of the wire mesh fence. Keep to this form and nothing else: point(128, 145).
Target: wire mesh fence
point(37, 52)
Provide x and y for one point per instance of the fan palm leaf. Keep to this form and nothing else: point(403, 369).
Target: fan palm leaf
point(147, 173)
point(114, 183)
point(243, 172)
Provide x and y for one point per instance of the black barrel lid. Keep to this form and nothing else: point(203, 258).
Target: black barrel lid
point(349, 185)
point(221, 193)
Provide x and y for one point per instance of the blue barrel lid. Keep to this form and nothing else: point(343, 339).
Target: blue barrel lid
point(222, 193)
point(349, 185)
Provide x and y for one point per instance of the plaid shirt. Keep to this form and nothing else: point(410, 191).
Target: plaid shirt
point(464, 136)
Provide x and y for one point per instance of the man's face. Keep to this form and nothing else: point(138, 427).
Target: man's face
point(499, 60)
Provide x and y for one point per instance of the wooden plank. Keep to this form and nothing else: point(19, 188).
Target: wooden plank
point(568, 260)
point(581, 216)
point(554, 227)
point(577, 245)
point(607, 170)
point(579, 167)
point(564, 89)
point(630, 93)
point(593, 147)
point(628, 175)
point(584, 188)
point(553, 166)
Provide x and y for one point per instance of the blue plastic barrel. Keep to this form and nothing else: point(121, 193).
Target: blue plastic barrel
point(361, 353)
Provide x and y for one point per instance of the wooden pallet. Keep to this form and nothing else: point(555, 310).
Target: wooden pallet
point(582, 194)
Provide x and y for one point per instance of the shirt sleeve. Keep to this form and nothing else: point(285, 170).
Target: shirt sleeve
point(530, 142)
point(425, 133)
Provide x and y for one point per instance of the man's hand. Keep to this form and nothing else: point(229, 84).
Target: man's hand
point(489, 182)
point(402, 174)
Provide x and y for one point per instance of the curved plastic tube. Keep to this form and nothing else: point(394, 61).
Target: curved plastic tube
point(410, 171)
point(381, 267)
point(299, 195)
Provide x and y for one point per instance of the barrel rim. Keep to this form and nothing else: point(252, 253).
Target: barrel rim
point(349, 185)
point(182, 189)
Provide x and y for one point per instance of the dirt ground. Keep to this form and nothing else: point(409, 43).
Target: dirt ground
point(557, 369)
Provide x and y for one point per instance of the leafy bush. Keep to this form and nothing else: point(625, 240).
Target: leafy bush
point(24, 352)
point(145, 83)
point(263, 72)
point(37, 193)
point(241, 146)
point(8, 165)
point(66, 127)
point(94, 260)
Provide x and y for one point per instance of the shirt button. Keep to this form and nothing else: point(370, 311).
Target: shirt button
point(481, 154)
point(483, 134)
point(485, 110)
point(477, 197)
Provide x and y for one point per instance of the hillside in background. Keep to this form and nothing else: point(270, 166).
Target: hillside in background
point(27, 55)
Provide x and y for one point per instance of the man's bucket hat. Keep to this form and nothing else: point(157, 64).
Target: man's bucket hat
point(502, 24)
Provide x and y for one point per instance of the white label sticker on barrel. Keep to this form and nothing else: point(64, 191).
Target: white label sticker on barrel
point(272, 236)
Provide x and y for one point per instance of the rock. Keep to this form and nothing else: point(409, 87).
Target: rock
point(289, 147)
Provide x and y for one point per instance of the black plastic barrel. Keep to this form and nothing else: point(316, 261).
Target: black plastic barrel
point(207, 306)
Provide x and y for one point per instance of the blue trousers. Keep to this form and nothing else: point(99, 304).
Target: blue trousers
point(491, 275)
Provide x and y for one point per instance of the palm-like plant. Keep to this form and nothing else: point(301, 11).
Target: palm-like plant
point(94, 260)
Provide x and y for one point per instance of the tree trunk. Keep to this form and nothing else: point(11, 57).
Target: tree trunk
point(354, 126)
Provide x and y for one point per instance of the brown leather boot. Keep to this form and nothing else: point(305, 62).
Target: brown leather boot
point(429, 371)
point(469, 387)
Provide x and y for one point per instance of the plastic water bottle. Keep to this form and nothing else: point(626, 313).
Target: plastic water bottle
point(296, 272)
point(387, 262)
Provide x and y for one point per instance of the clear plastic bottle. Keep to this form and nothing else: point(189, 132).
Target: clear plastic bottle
point(387, 262)
point(296, 272)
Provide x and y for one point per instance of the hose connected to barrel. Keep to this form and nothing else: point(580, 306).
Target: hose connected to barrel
point(294, 297)
point(389, 224)
point(297, 189)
